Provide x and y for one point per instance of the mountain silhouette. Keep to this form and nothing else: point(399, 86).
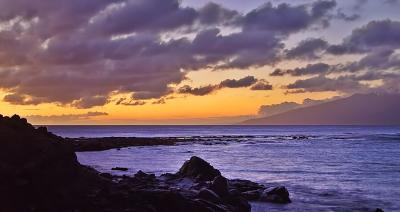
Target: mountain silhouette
point(358, 109)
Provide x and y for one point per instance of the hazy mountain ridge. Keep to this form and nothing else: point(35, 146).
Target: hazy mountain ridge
point(359, 109)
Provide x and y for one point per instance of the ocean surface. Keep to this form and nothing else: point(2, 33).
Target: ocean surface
point(325, 168)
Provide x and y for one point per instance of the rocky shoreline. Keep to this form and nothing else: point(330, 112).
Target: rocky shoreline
point(39, 171)
point(84, 144)
point(105, 143)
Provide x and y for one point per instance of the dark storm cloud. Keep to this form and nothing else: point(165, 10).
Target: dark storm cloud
point(79, 53)
point(310, 69)
point(307, 49)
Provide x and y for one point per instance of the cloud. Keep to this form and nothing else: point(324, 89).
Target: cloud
point(131, 103)
point(91, 101)
point(159, 102)
point(83, 52)
point(374, 35)
point(286, 18)
point(379, 60)
point(307, 49)
point(244, 82)
point(215, 13)
point(377, 44)
point(310, 69)
point(261, 85)
point(65, 118)
point(240, 83)
point(360, 4)
point(322, 83)
point(200, 91)
point(341, 15)
point(18, 99)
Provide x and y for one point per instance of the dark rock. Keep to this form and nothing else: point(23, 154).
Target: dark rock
point(251, 195)
point(378, 210)
point(42, 130)
point(120, 169)
point(200, 185)
point(143, 176)
point(220, 186)
point(197, 168)
point(238, 203)
point(16, 117)
point(106, 175)
point(209, 195)
point(244, 185)
point(276, 195)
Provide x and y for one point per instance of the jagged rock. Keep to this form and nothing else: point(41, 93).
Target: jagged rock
point(220, 186)
point(199, 169)
point(276, 195)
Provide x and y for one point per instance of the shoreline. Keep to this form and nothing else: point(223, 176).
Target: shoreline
point(85, 144)
point(106, 143)
point(40, 172)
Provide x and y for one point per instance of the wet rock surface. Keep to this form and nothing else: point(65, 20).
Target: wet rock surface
point(99, 144)
point(39, 172)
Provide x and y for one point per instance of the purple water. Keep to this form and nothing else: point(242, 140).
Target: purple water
point(337, 168)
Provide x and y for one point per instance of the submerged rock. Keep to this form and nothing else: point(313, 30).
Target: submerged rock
point(199, 169)
point(119, 169)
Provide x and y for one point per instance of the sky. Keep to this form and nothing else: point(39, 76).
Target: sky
point(190, 61)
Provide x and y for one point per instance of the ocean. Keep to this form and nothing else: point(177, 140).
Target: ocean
point(325, 168)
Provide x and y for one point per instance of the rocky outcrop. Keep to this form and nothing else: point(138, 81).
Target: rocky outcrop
point(39, 172)
point(276, 195)
point(198, 169)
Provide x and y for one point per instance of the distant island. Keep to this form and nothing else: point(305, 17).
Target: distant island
point(358, 109)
